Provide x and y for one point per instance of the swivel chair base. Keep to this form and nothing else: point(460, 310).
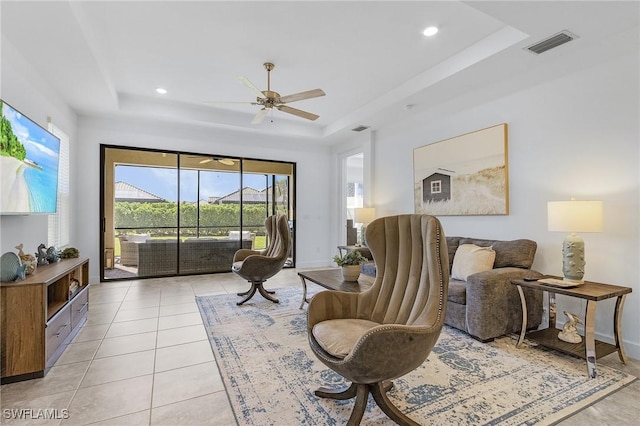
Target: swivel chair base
point(361, 393)
point(259, 287)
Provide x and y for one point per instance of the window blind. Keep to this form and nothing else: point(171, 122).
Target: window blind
point(60, 222)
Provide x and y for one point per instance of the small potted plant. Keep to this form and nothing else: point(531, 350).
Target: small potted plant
point(350, 264)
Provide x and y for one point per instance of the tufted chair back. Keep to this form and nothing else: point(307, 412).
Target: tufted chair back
point(279, 237)
point(256, 266)
point(409, 251)
point(387, 331)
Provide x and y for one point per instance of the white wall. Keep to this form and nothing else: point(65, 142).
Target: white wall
point(312, 174)
point(21, 87)
point(575, 136)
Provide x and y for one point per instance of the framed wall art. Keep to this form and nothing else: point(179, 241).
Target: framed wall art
point(464, 175)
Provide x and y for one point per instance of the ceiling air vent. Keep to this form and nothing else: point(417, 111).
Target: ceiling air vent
point(553, 41)
point(360, 128)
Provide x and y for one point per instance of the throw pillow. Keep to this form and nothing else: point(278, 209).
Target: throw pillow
point(470, 259)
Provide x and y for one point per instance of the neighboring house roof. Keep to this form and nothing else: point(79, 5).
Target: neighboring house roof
point(249, 196)
point(127, 192)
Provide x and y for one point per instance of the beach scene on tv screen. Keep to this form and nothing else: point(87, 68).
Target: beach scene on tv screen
point(28, 165)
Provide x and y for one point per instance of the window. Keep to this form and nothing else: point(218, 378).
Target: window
point(436, 187)
point(60, 223)
point(173, 213)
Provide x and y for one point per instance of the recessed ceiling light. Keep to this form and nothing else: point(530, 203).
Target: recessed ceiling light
point(430, 31)
point(161, 91)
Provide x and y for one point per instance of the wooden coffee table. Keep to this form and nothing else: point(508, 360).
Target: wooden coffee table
point(331, 278)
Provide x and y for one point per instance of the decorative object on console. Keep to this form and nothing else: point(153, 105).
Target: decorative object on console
point(28, 259)
point(70, 252)
point(364, 215)
point(11, 268)
point(350, 264)
point(574, 216)
point(53, 255)
point(463, 175)
point(42, 255)
point(569, 331)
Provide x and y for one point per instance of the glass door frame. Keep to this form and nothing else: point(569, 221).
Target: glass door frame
point(104, 191)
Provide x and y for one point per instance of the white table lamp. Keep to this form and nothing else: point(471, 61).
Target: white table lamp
point(574, 216)
point(364, 215)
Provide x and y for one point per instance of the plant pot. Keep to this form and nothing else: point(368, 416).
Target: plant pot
point(351, 272)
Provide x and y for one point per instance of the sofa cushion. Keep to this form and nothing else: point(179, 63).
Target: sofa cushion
point(471, 259)
point(452, 246)
point(246, 235)
point(457, 292)
point(369, 269)
point(515, 253)
point(136, 238)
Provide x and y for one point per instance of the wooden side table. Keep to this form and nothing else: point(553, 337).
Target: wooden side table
point(590, 348)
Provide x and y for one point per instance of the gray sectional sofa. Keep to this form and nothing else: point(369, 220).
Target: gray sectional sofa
point(487, 305)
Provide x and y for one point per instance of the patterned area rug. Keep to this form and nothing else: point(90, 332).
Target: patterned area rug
point(270, 374)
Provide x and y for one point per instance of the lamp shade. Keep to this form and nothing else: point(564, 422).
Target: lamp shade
point(365, 214)
point(575, 216)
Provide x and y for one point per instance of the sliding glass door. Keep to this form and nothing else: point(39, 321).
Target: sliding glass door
point(169, 214)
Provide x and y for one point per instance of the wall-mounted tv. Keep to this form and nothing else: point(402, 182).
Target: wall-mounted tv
point(29, 160)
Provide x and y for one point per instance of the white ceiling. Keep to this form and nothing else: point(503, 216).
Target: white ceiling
point(108, 57)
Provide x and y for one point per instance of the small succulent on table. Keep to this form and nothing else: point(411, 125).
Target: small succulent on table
point(353, 257)
point(350, 264)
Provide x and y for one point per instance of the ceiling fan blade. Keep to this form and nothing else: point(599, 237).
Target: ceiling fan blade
point(259, 116)
point(302, 95)
point(206, 160)
point(226, 161)
point(230, 102)
point(250, 86)
point(298, 112)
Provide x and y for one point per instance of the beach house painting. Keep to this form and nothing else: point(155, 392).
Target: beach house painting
point(463, 175)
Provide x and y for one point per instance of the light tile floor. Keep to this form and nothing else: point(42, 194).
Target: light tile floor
point(143, 358)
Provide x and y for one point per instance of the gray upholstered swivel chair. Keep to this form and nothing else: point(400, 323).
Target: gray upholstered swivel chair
point(256, 266)
point(373, 337)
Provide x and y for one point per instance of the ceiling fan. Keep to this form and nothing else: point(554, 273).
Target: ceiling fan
point(225, 161)
point(269, 99)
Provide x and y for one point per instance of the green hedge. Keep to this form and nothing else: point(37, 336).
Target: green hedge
point(222, 218)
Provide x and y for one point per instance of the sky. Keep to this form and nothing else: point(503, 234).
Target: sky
point(163, 182)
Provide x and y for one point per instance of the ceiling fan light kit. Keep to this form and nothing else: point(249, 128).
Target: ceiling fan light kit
point(269, 99)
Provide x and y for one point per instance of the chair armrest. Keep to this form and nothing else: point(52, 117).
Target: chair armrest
point(327, 305)
point(242, 254)
point(493, 304)
point(405, 348)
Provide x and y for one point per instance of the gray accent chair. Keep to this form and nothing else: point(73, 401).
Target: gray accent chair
point(373, 337)
point(256, 266)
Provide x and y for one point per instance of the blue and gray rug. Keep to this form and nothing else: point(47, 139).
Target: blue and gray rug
point(270, 374)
